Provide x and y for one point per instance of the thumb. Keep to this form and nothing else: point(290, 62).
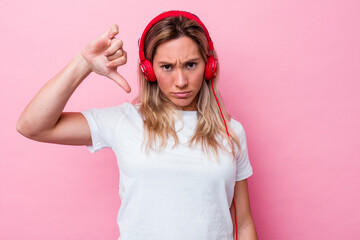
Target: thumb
point(120, 80)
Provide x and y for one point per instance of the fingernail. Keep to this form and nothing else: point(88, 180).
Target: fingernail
point(105, 53)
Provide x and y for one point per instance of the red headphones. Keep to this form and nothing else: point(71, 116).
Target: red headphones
point(145, 64)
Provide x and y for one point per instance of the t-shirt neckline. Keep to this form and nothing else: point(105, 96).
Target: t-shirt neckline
point(187, 113)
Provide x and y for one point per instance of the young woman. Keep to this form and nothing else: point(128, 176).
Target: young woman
point(183, 160)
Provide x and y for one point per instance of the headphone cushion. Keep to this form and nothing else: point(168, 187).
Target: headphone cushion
point(210, 68)
point(148, 71)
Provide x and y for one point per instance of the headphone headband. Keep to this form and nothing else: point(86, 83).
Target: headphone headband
point(171, 14)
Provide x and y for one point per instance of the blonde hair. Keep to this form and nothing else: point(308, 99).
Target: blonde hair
point(158, 112)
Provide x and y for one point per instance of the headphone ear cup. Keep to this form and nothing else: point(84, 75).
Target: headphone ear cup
point(148, 71)
point(210, 68)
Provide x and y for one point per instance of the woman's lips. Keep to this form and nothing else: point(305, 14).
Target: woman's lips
point(181, 94)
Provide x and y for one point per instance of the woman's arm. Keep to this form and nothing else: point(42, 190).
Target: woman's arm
point(44, 120)
point(245, 224)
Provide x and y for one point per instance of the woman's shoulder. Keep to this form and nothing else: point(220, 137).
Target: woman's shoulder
point(127, 109)
point(124, 109)
point(237, 126)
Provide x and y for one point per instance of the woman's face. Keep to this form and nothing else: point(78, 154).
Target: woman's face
point(179, 69)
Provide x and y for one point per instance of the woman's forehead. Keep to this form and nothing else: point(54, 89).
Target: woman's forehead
point(180, 49)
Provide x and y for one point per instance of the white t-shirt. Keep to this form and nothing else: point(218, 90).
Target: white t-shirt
point(176, 194)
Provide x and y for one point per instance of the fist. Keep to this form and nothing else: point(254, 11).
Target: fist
point(104, 54)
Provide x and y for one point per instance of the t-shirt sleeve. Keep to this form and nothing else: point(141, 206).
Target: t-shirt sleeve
point(244, 168)
point(103, 123)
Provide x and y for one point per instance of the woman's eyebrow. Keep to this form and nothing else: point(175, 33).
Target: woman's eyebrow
point(193, 60)
point(165, 63)
point(190, 60)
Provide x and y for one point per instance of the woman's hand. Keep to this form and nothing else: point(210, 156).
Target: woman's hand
point(104, 54)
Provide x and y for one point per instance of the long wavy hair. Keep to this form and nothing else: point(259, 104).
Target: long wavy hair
point(159, 113)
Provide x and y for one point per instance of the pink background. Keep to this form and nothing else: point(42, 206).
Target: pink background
point(290, 75)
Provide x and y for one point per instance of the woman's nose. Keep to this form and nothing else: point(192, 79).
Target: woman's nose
point(180, 79)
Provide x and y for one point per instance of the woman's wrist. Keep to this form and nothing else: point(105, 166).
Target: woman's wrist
point(83, 65)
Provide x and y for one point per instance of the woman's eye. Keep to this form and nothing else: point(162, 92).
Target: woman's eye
point(166, 67)
point(191, 65)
